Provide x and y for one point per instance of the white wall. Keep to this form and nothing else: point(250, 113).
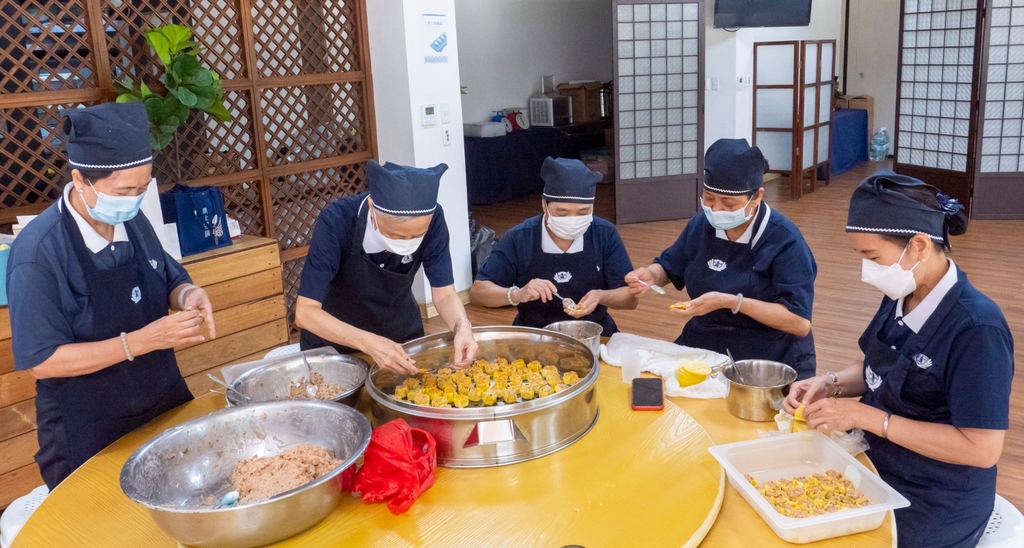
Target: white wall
point(874, 51)
point(402, 83)
point(507, 45)
point(730, 55)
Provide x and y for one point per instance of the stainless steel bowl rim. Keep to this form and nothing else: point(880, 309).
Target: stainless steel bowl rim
point(261, 407)
point(729, 367)
point(492, 411)
point(234, 399)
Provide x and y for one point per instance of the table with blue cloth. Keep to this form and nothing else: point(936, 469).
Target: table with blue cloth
point(849, 140)
point(501, 168)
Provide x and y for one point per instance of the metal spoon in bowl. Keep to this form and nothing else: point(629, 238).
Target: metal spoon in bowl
point(311, 389)
point(732, 363)
point(655, 288)
point(225, 385)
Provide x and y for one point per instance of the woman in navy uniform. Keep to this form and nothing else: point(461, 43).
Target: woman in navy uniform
point(89, 287)
point(746, 267)
point(934, 383)
point(356, 288)
point(566, 251)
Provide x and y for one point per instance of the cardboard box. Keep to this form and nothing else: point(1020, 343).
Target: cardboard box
point(601, 160)
point(586, 100)
point(865, 102)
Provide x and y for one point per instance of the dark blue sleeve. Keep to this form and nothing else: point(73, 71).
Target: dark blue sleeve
point(331, 238)
point(502, 267)
point(437, 259)
point(616, 260)
point(793, 273)
point(978, 378)
point(176, 274)
point(674, 259)
point(39, 324)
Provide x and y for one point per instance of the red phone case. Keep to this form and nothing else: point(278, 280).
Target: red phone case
point(632, 403)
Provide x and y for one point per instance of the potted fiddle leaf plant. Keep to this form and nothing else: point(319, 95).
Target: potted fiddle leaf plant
point(188, 85)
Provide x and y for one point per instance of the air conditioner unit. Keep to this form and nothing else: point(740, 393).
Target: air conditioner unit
point(551, 111)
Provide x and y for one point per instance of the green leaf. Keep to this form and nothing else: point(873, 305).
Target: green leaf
point(124, 86)
point(202, 77)
point(169, 125)
point(220, 111)
point(177, 36)
point(186, 96)
point(160, 45)
point(154, 108)
point(182, 112)
point(203, 100)
point(144, 90)
point(161, 140)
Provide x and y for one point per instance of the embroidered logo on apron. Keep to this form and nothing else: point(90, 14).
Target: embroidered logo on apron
point(717, 265)
point(406, 259)
point(872, 379)
point(136, 295)
point(563, 276)
point(922, 361)
point(153, 263)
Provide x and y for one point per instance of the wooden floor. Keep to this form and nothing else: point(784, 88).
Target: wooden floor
point(990, 253)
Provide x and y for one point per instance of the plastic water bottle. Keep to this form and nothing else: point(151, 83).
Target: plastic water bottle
point(879, 146)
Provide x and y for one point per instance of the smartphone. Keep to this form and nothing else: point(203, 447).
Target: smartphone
point(648, 394)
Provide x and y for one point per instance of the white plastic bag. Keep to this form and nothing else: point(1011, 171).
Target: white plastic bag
point(853, 441)
point(662, 358)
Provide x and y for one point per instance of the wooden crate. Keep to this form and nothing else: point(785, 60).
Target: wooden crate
point(245, 285)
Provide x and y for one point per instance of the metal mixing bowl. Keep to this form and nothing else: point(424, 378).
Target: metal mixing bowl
point(758, 397)
point(182, 474)
point(581, 330)
point(478, 436)
point(272, 381)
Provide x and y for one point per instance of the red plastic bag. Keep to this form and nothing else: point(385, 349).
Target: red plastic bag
point(398, 466)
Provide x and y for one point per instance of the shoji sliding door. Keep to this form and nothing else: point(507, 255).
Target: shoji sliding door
point(937, 96)
point(659, 103)
point(999, 188)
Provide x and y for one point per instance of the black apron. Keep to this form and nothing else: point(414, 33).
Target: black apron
point(574, 275)
point(950, 503)
point(79, 416)
point(728, 267)
point(369, 297)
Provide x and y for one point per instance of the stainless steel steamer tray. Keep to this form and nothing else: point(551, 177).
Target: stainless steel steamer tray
point(505, 433)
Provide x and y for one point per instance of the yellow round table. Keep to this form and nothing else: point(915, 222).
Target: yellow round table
point(638, 478)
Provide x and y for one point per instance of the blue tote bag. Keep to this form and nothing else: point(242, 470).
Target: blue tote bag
point(199, 214)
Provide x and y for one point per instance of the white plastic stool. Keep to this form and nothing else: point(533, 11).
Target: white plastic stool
point(282, 351)
point(1005, 527)
point(17, 514)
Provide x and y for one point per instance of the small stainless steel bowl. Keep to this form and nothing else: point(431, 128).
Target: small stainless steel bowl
point(272, 381)
point(758, 397)
point(181, 474)
point(589, 333)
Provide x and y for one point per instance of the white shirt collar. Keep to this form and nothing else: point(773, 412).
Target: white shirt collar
point(749, 232)
point(919, 315)
point(93, 240)
point(548, 245)
point(373, 242)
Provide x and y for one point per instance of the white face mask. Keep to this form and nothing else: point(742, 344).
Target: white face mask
point(570, 227)
point(726, 220)
point(892, 280)
point(398, 247)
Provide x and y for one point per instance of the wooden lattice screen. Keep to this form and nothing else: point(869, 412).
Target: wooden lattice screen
point(296, 78)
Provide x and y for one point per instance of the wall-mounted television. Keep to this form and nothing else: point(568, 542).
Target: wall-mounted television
point(735, 14)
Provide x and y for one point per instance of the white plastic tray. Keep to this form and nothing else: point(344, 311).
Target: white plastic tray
point(803, 454)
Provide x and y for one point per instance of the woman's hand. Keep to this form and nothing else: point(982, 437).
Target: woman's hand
point(197, 299)
point(828, 414)
point(171, 331)
point(634, 279)
point(389, 355)
point(805, 392)
point(465, 346)
point(587, 304)
point(536, 289)
point(707, 303)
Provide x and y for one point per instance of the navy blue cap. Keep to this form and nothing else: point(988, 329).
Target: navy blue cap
point(733, 167)
point(876, 208)
point(567, 180)
point(403, 190)
point(108, 136)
